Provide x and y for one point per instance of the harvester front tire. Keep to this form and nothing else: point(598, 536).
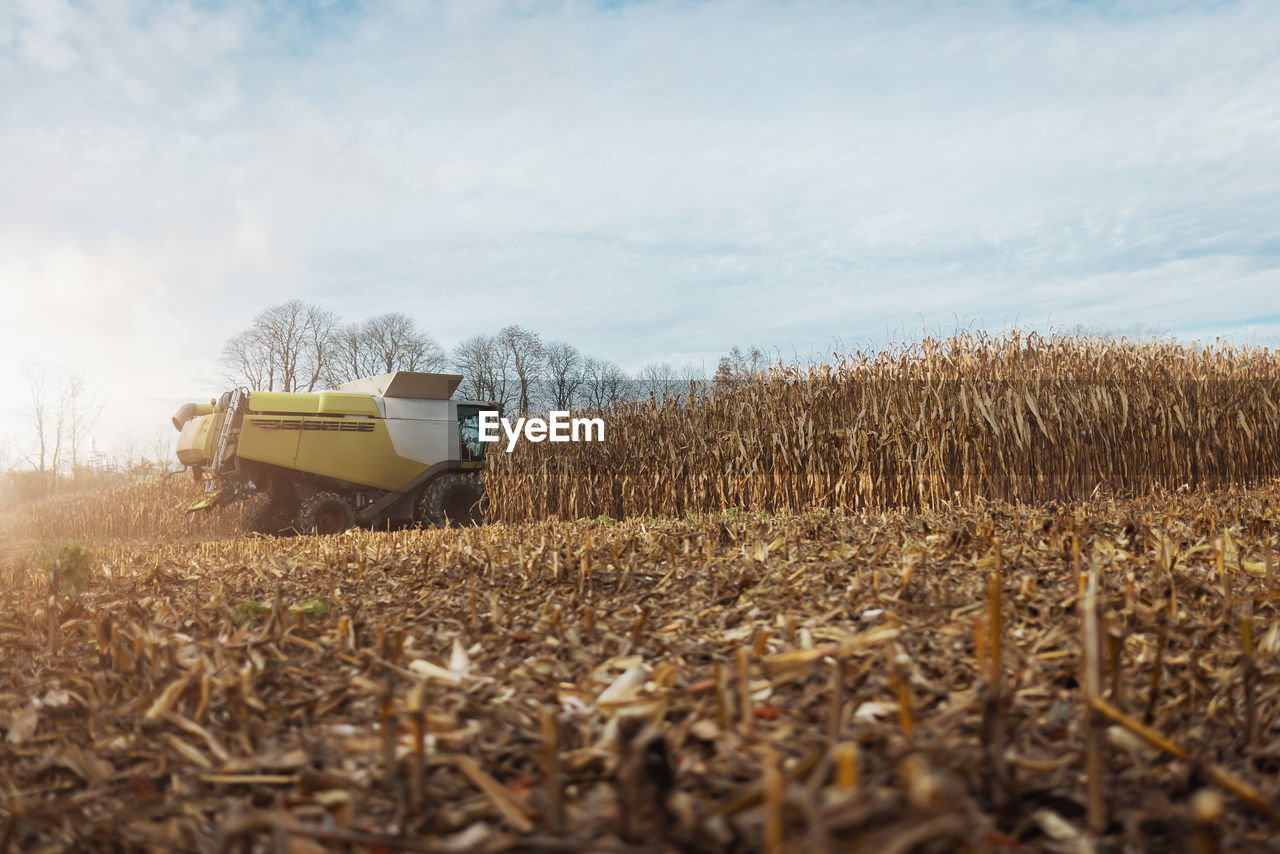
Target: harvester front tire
point(453, 499)
point(266, 515)
point(326, 513)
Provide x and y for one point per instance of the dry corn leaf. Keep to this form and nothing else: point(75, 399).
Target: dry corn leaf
point(23, 725)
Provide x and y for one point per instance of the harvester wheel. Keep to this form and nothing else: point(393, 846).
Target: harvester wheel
point(453, 499)
point(325, 513)
point(266, 515)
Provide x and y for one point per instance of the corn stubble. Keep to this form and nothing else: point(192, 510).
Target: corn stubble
point(1016, 418)
point(902, 680)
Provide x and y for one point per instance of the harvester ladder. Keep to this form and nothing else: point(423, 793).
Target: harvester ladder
point(230, 428)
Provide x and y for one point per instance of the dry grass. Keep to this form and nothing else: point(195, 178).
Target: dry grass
point(1016, 418)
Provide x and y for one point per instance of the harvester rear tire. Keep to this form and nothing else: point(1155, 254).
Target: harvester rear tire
point(266, 515)
point(326, 513)
point(453, 499)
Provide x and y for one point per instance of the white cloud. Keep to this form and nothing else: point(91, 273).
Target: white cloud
point(654, 181)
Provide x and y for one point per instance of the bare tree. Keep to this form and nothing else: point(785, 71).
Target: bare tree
point(45, 419)
point(163, 450)
point(564, 374)
point(524, 353)
point(604, 384)
point(59, 413)
point(319, 329)
point(399, 345)
point(81, 415)
point(126, 453)
point(250, 359)
point(380, 345)
point(693, 379)
point(657, 379)
point(350, 358)
point(486, 371)
point(288, 347)
point(691, 373)
point(737, 365)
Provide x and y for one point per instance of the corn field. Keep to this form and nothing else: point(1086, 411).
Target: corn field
point(1020, 418)
point(886, 648)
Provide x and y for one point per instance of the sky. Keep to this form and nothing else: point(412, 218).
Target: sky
point(650, 181)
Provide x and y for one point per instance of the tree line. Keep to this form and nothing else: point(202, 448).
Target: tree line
point(60, 415)
point(300, 347)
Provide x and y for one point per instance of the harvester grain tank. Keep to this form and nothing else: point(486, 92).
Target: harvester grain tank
point(393, 449)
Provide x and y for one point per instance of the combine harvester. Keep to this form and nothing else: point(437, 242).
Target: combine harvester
point(390, 450)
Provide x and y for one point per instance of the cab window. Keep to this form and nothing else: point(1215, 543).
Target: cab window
point(472, 449)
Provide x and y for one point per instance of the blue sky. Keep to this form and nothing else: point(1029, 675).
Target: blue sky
point(650, 181)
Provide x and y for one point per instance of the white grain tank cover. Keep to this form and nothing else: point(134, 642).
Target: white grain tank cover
point(419, 416)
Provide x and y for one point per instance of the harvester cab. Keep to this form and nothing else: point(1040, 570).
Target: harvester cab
point(389, 450)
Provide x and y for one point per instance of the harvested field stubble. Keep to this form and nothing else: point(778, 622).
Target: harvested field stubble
point(879, 682)
point(1015, 418)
